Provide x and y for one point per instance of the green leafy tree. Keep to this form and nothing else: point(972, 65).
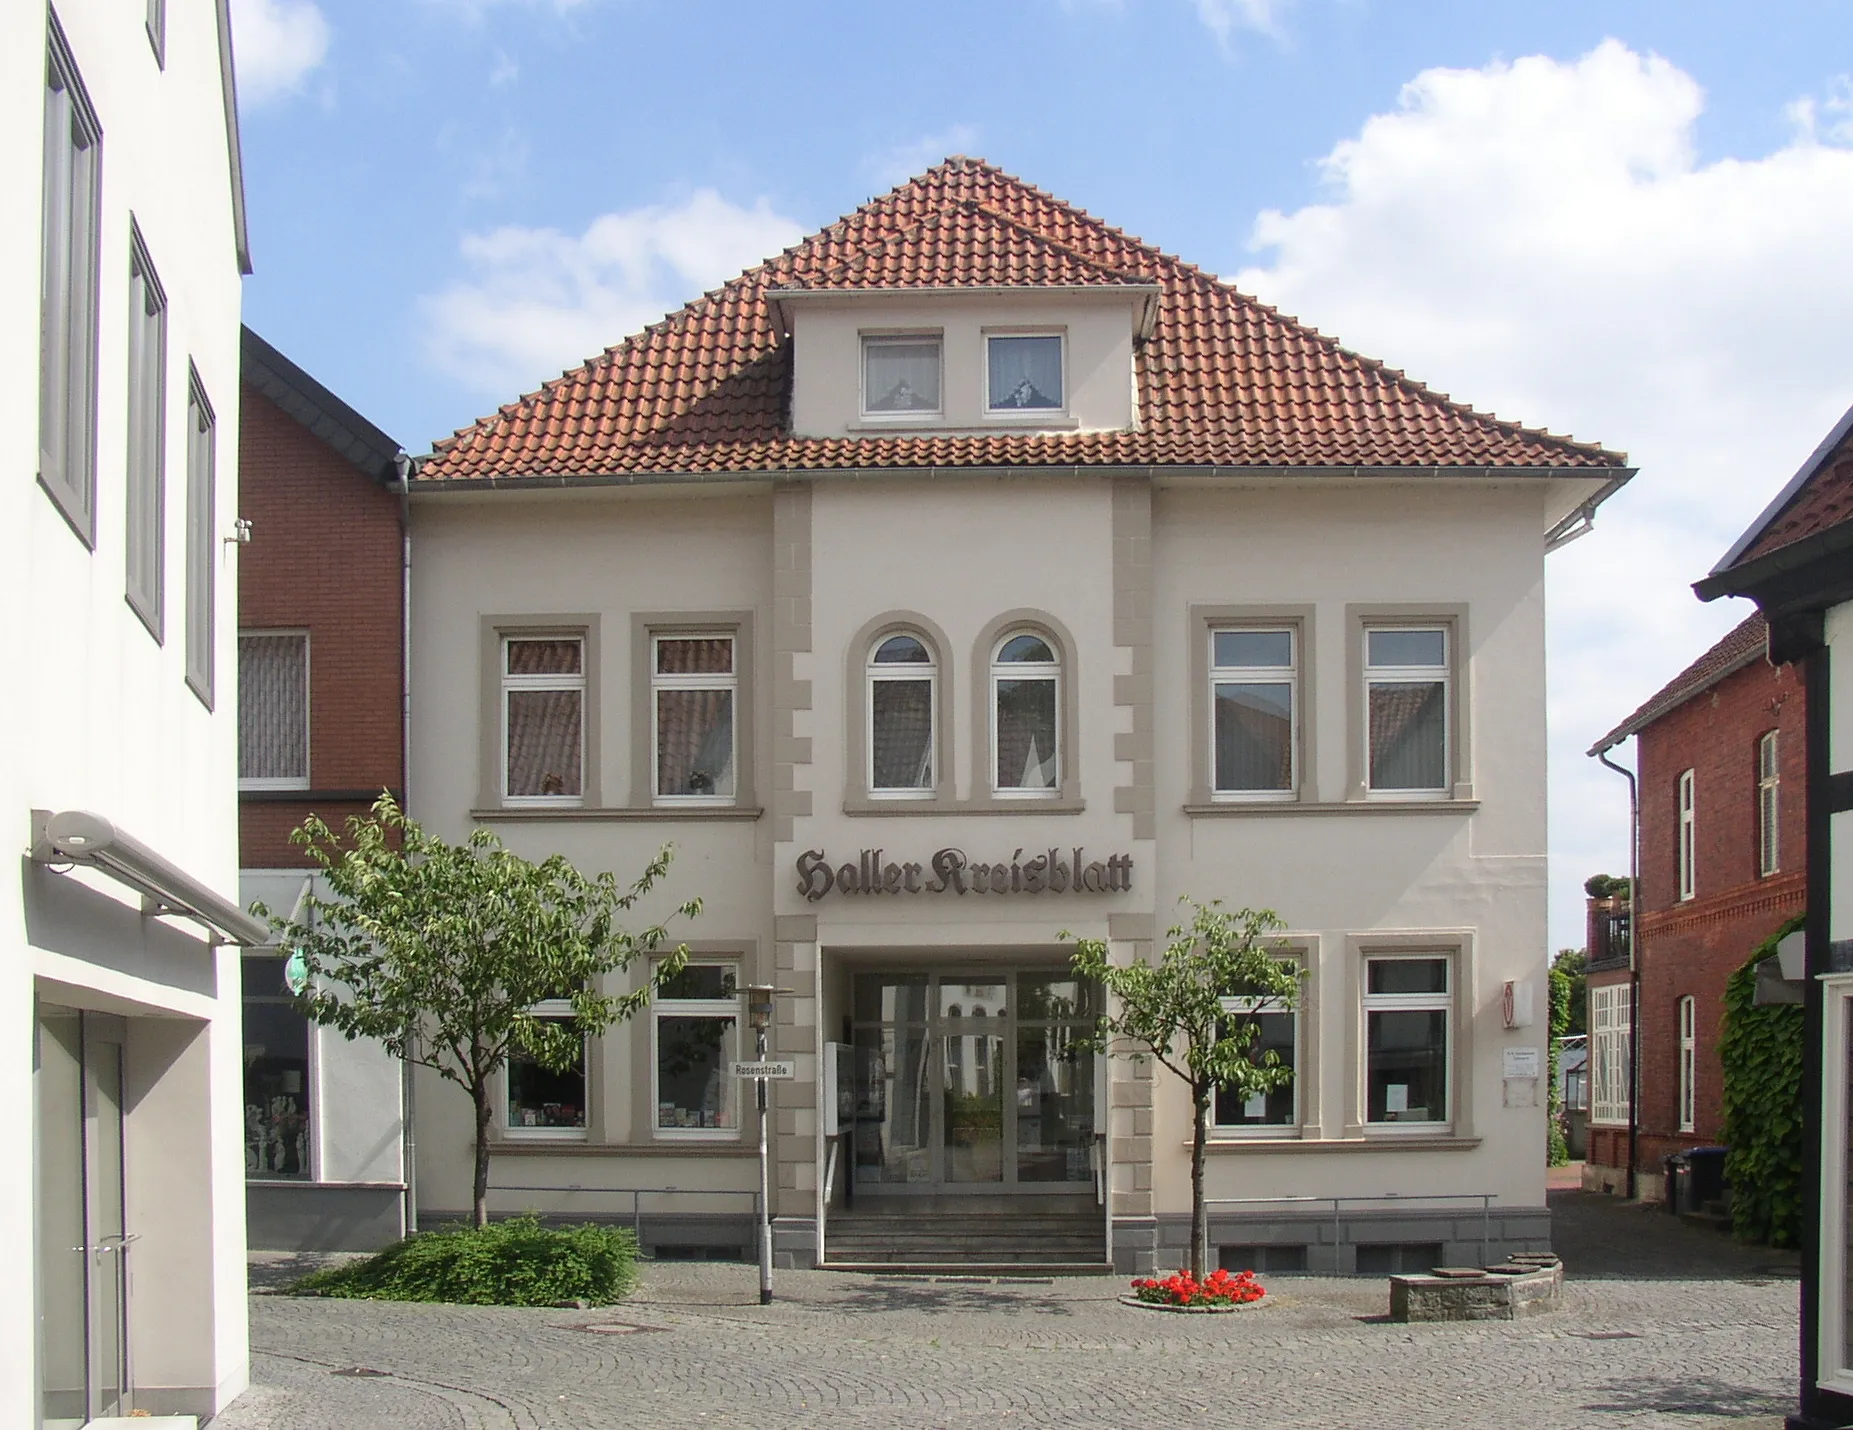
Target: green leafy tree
point(1175, 1011)
point(1573, 963)
point(441, 951)
point(1761, 1053)
point(1557, 1147)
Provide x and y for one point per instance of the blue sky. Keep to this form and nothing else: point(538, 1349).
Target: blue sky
point(1624, 221)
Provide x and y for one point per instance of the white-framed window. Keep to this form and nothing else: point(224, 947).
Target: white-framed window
point(70, 249)
point(695, 1038)
point(1406, 710)
point(1026, 677)
point(1688, 1064)
point(1611, 1041)
point(273, 710)
point(542, 1103)
point(1273, 1113)
point(693, 684)
point(543, 719)
point(146, 535)
point(1687, 854)
point(1024, 373)
point(901, 374)
point(1254, 712)
point(1768, 806)
point(1408, 1036)
point(202, 555)
point(1835, 1228)
point(279, 1074)
point(902, 689)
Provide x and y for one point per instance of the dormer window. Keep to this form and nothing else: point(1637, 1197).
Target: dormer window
point(1023, 373)
point(900, 375)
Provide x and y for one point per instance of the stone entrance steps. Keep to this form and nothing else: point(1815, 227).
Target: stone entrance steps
point(983, 1242)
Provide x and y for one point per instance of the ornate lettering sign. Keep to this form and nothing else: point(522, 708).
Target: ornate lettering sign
point(1057, 871)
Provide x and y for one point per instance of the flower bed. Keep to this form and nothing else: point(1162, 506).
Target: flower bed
point(1180, 1291)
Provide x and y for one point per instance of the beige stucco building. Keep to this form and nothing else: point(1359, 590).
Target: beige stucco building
point(968, 574)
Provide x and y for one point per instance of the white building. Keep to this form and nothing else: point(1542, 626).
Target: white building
point(119, 323)
point(968, 573)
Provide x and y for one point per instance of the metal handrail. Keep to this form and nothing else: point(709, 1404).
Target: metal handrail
point(636, 1194)
point(1485, 1199)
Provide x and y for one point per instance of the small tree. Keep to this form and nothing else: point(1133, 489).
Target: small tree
point(442, 950)
point(1178, 1011)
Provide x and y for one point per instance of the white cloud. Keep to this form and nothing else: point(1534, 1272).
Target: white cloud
point(1830, 118)
point(1225, 17)
point(1540, 239)
point(904, 161)
point(276, 43)
point(537, 301)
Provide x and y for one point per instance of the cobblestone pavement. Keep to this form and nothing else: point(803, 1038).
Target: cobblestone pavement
point(693, 1348)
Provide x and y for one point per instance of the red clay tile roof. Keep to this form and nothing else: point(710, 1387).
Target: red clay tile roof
point(1223, 379)
point(1825, 500)
point(1748, 642)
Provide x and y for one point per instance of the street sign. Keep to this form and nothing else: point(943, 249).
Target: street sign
point(766, 1069)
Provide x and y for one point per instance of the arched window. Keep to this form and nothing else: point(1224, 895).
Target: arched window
point(1025, 696)
point(902, 675)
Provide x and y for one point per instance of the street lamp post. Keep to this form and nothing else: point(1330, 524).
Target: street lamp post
point(759, 1004)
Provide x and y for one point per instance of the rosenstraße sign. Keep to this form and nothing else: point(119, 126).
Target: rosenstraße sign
point(951, 871)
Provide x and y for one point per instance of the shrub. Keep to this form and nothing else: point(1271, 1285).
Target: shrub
point(517, 1262)
point(1761, 1051)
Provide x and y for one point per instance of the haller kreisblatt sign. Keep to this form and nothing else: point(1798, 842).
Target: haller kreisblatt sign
point(951, 871)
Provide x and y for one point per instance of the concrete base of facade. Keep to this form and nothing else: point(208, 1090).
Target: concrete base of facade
point(323, 1216)
point(668, 1236)
point(1361, 1243)
point(794, 1242)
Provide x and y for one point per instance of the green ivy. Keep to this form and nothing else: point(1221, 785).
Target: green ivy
point(1762, 1055)
point(1556, 1146)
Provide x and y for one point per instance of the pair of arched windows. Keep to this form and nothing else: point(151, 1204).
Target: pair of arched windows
point(1024, 704)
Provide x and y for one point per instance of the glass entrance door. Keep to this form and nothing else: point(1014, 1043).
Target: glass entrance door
point(969, 1081)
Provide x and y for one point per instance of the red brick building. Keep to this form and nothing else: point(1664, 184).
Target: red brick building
point(1723, 828)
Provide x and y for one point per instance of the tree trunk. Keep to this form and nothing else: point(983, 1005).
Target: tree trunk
point(479, 1093)
point(1199, 1223)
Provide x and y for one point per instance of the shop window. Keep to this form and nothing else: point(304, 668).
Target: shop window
point(273, 710)
point(542, 1102)
point(1688, 835)
point(901, 375)
point(902, 680)
point(1688, 1065)
point(277, 1081)
point(1278, 1033)
point(1254, 713)
point(693, 684)
point(1406, 679)
point(543, 719)
point(1408, 1010)
point(1025, 691)
point(695, 1026)
point(1023, 373)
point(1768, 806)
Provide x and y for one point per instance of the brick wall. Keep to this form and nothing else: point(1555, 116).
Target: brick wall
point(324, 556)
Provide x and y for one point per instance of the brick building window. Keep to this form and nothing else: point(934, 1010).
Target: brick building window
point(1688, 1065)
point(1611, 1028)
point(1768, 806)
point(1688, 849)
point(273, 709)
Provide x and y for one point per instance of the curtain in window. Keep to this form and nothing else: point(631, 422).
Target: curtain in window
point(1254, 737)
point(901, 377)
point(273, 708)
point(1408, 735)
point(543, 741)
point(1025, 373)
point(1025, 734)
point(695, 655)
point(902, 719)
point(694, 742)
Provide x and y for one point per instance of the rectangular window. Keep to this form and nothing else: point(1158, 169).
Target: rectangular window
point(1279, 1033)
point(277, 1078)
point(1688, 1065)
point(200, 555)
point(543, 719)
point(1406, 709)
point(69, 254)
point(901, 375)
point(1610, 1049)
point(1408, 1011)
point(1253, 676)
point(693, 682)
point(543, 1103)
point(273, 710)
point(696, 1037)
point(1688, 834)
point(1768, 806)
point(147, 438)
point(1023, 373)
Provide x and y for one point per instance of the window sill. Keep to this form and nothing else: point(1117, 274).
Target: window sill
point(615, 813)
point(514, 1147)
point(862, 808)
point(1372, 1142)
point(1243, 808)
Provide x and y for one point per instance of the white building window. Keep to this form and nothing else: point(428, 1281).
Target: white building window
point(695, 1024)
point(901, 375)
point(1688, 1065)
point(902, 675)
point(1408, 1017)
point(1254, 713)
point(1273, 1112)
point(279, 1075)
point(1688, 836)
point(1610, 1050)
point(543, 719)
point(273, 710)
point(543, 1103)
point(693, 683)
point(202, 557)
point(1768, 806)
point(69, 255)
point(1023, 373)
point(146, 536)
point(1025, 696)
point(1406, 709)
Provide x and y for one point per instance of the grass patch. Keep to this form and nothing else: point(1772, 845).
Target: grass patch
point(517, 1262)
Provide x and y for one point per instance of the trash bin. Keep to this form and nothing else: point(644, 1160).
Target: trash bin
point(1705, 1180)
point(1677, 1170)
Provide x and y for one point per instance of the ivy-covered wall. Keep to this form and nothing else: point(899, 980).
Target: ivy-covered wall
point(1557, 1147)
point(1761, 1051)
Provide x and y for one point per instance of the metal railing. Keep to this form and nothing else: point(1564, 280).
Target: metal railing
point(1485, 1199)
point(748, 1198)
